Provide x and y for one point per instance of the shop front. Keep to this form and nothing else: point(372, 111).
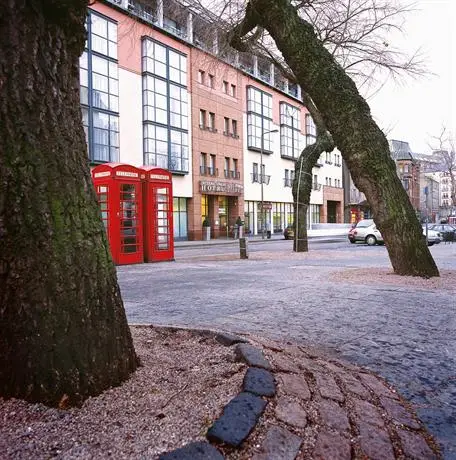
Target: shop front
point(267, 216)
point(221, 204)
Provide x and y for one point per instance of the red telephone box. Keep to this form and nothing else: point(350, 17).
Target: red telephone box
point(158, 214)
point(119, 190)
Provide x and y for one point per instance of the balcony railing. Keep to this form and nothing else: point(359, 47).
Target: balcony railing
point(209, 171)
point(228, 134)
point(208, 128)
point(231, 174)
point(260, 178)
point(180, 30)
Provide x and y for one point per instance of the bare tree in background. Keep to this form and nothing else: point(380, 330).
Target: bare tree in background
point(346, 116)
point(444, 153)
point(357, 33)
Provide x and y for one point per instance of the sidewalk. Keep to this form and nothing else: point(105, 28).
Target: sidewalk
point(324, 233)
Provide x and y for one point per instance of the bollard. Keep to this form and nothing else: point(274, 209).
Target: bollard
point(243, 248)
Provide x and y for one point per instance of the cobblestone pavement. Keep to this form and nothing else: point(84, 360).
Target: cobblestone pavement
point(404, 333)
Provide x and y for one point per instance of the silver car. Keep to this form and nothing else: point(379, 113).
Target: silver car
point(366, 231)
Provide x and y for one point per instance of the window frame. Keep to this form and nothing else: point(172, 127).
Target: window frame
point(259, 119)
point(93, 112)
point(289, 133)
point(167, 66)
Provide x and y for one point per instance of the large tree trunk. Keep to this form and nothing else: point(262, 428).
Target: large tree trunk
point(64, 334)
point(347, 116)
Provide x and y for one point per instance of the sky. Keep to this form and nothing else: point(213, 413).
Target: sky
point(415, 109)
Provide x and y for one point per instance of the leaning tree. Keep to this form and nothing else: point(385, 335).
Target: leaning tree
point(357, 33)
point(347, 117)
point(64, 334)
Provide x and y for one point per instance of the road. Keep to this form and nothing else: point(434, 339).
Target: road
point(276, 245)
point(402, 330)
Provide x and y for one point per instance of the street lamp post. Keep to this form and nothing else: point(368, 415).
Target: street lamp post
point(262, 178)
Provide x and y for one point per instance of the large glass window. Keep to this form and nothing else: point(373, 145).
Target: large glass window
point(99, 89)
point(204, 208)
point(165, 107)
point(180, 218)
point(311, 130)
point(290, 122)
point(259, 118)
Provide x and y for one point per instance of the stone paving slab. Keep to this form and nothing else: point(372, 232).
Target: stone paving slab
point(259, 382)
point(252, 356)
point(238, 420)
point(402, 333)
point(194, 451)
point(280, 444)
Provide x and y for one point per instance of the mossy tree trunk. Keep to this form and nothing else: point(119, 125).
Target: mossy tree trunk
point(347, 117)
point(64, 334)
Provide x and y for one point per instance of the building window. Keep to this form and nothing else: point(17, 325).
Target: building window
point(255, 176)
point(212, 169)
point(99, 89)
point(237, 174)
point(165, 107)
point(315, 213)
point(201, 75)
point(202, 119)
point(287, 179)
point(233, 90)
point(259, 119)
point(204, 208)
point(290, 122)
point(180, 218)
point(227, 167)
point(225, 87)
point(226, 126)
point(311, 130)
point(212, 121)
point(203, 163)
point(328, 158)
point(211, 81)
point(234, 130)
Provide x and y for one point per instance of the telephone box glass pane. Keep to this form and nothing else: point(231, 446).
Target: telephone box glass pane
point(129, 219)
point(162, 218)
point(102, 193)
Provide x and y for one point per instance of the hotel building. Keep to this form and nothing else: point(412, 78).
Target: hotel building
point(160, 87)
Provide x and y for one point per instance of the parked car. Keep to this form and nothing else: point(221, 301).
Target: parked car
point(447, 231)
point(434, 237)
point(366, 231)
point(288, 233)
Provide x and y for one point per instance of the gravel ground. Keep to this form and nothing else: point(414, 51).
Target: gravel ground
point(180, 389)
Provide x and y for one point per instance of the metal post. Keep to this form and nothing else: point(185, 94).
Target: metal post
point(261, 184)
point(262, 176)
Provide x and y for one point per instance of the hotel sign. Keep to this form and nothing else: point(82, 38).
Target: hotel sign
point(215, 187)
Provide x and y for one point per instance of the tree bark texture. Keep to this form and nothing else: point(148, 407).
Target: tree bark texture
point(347, 116)
point(64, 334)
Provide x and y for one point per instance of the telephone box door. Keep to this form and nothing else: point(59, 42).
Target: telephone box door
point(158, 215)
point(119, 191)
point(130, 247)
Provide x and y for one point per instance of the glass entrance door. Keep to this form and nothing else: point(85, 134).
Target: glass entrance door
point(223, 215)
point(163, 227)
point(130, 219)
